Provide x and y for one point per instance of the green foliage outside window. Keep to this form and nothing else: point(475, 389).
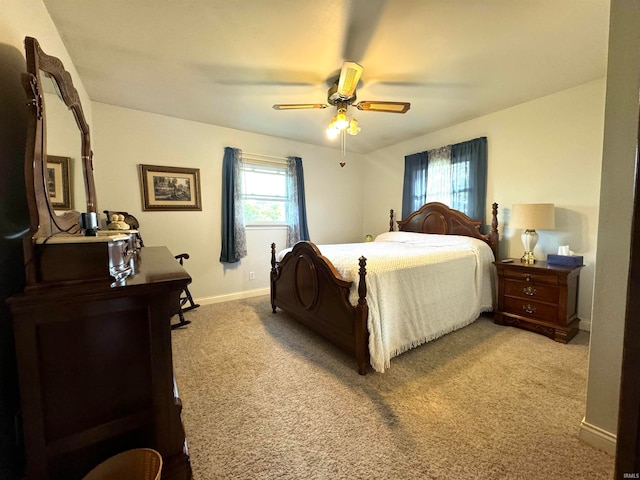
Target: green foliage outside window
point(263, 211)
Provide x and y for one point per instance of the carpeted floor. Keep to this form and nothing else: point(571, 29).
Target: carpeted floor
point(265, 398)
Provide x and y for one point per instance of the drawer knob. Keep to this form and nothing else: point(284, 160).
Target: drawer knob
point(528, 277)
point(530, 309)
point(531, 291)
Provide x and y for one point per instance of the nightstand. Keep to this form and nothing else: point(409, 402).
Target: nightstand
point(539, 297)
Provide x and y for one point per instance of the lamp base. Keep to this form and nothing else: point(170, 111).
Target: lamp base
point(529, 240)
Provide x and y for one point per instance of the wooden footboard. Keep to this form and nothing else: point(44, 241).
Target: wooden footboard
point(306, 285)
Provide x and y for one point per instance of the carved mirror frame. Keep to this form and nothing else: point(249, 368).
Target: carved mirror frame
point(44, 220)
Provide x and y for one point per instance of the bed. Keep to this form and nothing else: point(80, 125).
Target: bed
point(377, 299)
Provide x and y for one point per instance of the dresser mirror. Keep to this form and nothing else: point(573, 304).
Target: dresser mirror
point(59, 129)
point(58, 165)
point(65, 174)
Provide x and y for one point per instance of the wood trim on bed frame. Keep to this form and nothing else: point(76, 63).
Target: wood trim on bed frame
point(307, 286)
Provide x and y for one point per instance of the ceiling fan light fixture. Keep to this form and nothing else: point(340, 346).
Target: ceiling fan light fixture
point(332, 131)
point(353, 129)
point(340, 120)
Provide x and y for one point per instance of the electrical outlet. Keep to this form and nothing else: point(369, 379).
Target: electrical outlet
point(252, 276)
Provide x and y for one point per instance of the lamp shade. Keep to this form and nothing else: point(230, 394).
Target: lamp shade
point(533, 216)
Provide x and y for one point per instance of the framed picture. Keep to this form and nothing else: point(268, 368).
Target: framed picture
point(59, 182)
point(169, 188)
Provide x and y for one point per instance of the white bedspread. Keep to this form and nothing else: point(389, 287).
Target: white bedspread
point(419, 287)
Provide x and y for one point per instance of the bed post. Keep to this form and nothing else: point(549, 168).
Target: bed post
point(273, 277)
point(391, 220)
point(362, 314)
point(493, 234)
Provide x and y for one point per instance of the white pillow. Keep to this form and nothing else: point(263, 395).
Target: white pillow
point(427, 239)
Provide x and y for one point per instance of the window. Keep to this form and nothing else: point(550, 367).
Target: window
point(449, 183)
point(455, 175)
point(264, 195)
point(258, 190)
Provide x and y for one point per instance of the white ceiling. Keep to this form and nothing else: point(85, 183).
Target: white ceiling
point(226, 62)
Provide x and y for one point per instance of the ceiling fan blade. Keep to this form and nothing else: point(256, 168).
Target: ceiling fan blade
point(298, 106)
point(390, 107)
point(349, 78)
point(362, 20)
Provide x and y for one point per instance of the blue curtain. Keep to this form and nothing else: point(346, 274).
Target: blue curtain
point(302, 204)
point(415, 182)
point(233, 240)
point(469, 164)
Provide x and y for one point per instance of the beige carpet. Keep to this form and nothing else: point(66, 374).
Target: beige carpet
point(265, 398)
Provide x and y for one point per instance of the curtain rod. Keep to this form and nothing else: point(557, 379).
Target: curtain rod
point(260, 155)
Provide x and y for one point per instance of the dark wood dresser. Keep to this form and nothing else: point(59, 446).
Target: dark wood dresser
point(96, 371)
point(539, 297)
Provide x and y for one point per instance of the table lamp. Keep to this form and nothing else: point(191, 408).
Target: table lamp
point(532, 216)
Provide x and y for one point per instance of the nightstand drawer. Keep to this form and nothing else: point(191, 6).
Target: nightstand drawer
point(540, 276)
point(530, 309)
point(531, 291)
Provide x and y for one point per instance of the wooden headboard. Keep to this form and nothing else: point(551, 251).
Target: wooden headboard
point(436, 217)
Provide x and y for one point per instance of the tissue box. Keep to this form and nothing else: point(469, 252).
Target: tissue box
point(565, 260)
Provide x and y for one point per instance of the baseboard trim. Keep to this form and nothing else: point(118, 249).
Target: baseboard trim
point(232, 296)
point(597, 437)
point(584, 325)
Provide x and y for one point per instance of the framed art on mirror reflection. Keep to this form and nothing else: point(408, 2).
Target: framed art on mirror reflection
point(58, 178)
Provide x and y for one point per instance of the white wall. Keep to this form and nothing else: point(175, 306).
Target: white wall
point(545, 150)
point(614, 233)
point(125, 138)
point(22, 18)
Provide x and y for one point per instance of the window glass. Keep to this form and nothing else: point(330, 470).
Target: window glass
point(439, 181)
point(264, 194)
point(460, 186)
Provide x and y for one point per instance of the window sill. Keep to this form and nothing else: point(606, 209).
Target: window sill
point(266, 227)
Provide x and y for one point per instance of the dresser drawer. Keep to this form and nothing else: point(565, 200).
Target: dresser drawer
point(531, 291)
point(530, 309)
point(539, 276)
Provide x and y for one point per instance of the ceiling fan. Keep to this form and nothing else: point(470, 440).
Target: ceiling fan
point(342, 94)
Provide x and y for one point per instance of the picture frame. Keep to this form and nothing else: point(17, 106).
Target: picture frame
point(170, 188)
point(59, 182)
